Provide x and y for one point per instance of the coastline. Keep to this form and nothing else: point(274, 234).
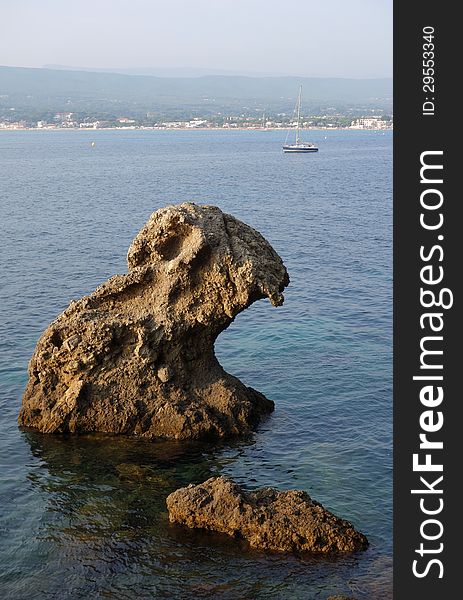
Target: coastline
point(256, 129)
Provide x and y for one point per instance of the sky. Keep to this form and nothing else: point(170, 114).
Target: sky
point(322, 38)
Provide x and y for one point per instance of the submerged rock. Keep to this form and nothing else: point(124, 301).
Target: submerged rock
point(268, 519)
point(137, 355)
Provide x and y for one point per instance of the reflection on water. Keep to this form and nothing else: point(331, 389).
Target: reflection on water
point(102, 485)
point(105, 519)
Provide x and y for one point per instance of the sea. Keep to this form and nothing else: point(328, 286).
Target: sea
point(85, 516)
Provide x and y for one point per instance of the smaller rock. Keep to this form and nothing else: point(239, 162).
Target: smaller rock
point(267, 518)
point(341, 598)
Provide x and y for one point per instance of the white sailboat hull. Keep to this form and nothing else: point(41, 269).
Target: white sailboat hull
point(300, 148)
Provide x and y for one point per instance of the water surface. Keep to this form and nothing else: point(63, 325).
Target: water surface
point(85, 517)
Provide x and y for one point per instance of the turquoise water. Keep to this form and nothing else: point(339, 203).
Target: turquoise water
point(85, 517)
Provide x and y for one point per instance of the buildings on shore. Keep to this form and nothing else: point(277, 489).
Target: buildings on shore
point(71, 121)
point(371, 123)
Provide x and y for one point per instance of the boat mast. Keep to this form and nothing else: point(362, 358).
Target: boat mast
point(298, 114)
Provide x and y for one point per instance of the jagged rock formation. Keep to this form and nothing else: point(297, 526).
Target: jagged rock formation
point(137, 355)
point(268, 519)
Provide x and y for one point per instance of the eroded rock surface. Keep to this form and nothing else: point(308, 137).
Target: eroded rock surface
point(287, 521)
point(268, 519)
point(137, 355)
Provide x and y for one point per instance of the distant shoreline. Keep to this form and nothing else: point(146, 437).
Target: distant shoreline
point(255, 129)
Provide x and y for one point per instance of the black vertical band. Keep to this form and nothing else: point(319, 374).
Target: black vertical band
point(428, 240)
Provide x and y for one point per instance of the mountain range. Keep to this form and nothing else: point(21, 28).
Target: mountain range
point(59, 89)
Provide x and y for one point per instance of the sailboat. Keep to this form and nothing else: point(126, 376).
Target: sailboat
point(299, 146)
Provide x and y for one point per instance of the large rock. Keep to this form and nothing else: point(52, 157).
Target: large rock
point(266, 518)
point(137, 355)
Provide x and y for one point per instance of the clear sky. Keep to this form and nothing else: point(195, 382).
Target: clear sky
point(330, 38)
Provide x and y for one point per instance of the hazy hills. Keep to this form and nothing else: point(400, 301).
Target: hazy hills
point(165, 72)
point(57, 89)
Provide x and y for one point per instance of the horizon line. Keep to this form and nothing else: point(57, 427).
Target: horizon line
point(212, 72)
